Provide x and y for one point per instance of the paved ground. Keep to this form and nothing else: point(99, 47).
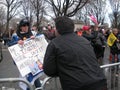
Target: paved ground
point(7, 69)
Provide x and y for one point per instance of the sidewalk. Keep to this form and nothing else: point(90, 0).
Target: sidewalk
point(8, 69)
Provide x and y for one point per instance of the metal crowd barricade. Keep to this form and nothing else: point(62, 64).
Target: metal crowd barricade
point(111, 71)
point(14, 80)
point(50, 83)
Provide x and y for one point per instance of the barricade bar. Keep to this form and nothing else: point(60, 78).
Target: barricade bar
point(44, 82)
point(110, 65)
point(3, 80)
point(9, 80)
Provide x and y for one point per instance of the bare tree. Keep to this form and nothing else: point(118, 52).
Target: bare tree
point(39, 10)
point(26, 10)
point(2, 14)
point(82, 14)
point(66, 7)
point(115, 15)
point(97, 8)
point(2, 20)
point(11, 6)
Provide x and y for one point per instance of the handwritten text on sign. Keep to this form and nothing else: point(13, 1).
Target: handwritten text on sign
point(27, 55)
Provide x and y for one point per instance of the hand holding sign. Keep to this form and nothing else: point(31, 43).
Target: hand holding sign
point(28, 55)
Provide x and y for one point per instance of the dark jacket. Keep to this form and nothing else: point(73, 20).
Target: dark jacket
point(90, 37)
point(72, 59)
point(114, 49)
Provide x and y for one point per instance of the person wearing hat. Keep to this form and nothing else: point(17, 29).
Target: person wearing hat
point(72, 59)
point(88, 34)
point(23, 33)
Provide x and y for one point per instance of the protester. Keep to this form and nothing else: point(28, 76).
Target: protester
point(88, 34)
point(113, 48)
point(103, 41)
point(6, 38)
point(72, 59)
point(118, 45)
point(50, 32)
point(98, 44)
point(24, 33)
point(34, 30)
point(14, 38)
point(79, 31)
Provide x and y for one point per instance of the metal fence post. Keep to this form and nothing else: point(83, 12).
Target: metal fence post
point(112, 79)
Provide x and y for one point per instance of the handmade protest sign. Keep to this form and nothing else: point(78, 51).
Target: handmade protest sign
point(29, 56)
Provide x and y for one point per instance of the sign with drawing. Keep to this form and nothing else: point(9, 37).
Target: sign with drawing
point(29, 56)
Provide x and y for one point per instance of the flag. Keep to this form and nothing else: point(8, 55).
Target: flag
point(111, 39)
point(93, 19)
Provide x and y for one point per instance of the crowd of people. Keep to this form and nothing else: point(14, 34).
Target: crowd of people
point(72, 55)
point(98, 38)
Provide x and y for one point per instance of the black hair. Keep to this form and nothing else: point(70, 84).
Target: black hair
point(64, 25)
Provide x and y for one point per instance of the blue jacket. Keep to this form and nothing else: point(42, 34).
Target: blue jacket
point(14, 41)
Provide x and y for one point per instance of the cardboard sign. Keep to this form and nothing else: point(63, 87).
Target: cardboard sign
point(29, 56)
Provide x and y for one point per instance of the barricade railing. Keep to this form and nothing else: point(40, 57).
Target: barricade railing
point(111, 71)
point(109, 65)
point(14, 80)
point(43, 83)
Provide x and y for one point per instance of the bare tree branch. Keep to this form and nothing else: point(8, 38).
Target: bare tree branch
point(12, 6)
point(115, 15)
point(66, 7)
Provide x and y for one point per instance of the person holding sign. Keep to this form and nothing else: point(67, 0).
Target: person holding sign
point(112, 41)
point(23, 34)
point(72, 59)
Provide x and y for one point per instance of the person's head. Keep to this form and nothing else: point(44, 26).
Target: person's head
point(86, 29)
point(64, 25)
point(49, 27)
point(115, 31)
point(24, 29)
point(24, 25)
point(34, 28)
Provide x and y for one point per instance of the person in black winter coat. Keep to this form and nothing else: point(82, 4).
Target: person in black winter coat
point(89, 34)
point(99, 45)
point(72, 59)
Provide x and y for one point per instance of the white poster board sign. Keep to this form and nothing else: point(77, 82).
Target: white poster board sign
point(29, 56)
